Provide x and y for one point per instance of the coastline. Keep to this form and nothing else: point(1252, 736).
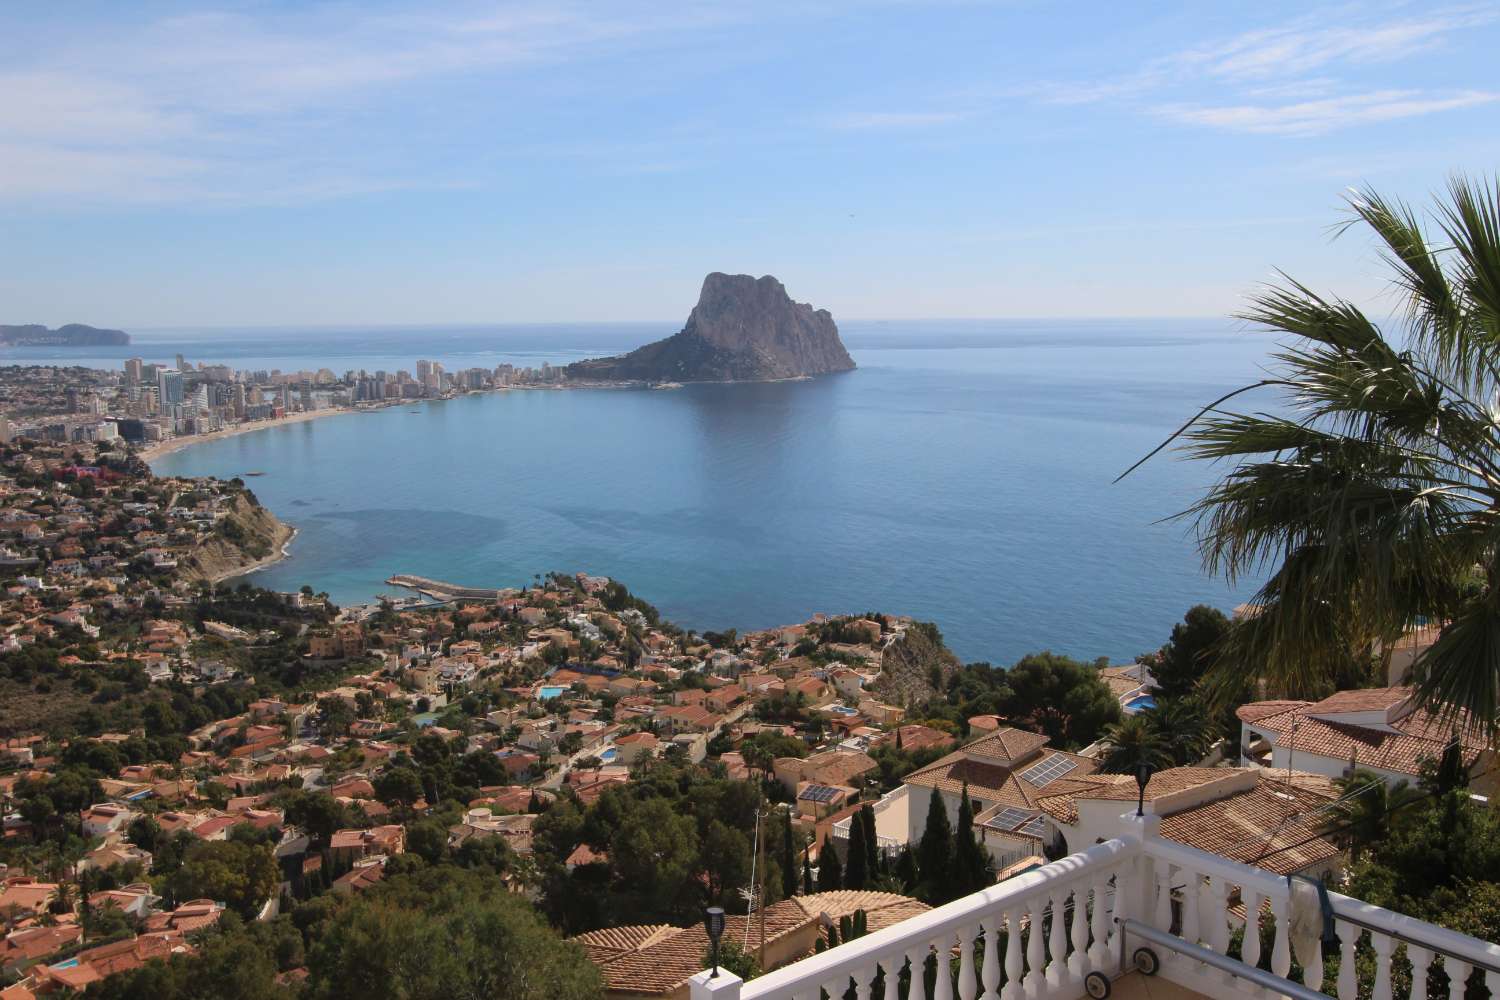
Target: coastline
point(163, 448)
point(282, 551)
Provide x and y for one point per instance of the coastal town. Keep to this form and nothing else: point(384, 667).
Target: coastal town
point(158, 406)
point(185, 757)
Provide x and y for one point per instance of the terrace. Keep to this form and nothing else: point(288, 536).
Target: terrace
point(1138, 915)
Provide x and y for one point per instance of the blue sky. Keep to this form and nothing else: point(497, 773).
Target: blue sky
point(289, 163)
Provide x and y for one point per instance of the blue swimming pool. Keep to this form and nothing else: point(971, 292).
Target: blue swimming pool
point(550, 691)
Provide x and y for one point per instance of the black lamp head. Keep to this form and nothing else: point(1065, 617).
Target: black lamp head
point(713, 921)
point(1143, 772)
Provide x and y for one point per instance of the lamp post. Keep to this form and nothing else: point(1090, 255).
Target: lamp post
point(713, 922)
point(1143, 772)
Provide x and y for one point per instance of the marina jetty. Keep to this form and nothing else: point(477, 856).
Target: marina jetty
point(441, 591)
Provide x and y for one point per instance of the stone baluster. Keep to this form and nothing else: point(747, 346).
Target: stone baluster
point(892, 967)
point(1383, 944)
point(1458, 977)
point(968, 983)
point(991, 971)
point(1013, 960)
point(1421, 961)
point(942, 987)
point(1079, 963)
point(1161, 918)
point(1099, 924)
point(863, 979)
point(1348, 985)
point(1057, 941)
point(1035, 958)
point(1250, 947)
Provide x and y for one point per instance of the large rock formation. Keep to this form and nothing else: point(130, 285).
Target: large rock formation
point(742, 329)
point(71, 335)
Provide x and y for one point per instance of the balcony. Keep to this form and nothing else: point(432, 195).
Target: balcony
point(1137, 916)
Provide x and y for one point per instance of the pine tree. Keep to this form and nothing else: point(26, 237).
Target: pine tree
point(935, 853)
point(830, 872)
point(788, 858)
point(856, 871)
point(970, 871)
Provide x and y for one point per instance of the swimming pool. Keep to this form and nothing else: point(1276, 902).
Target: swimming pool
point(550, 691)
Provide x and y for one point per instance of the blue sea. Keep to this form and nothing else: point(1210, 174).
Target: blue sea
point(961, 475)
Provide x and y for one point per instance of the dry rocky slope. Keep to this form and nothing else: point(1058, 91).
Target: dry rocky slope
point(247, 537)
point(742, 329)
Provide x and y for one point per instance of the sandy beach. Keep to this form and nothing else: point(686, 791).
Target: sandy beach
point(155, 451)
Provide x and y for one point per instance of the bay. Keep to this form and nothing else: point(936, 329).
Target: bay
point(961, 475)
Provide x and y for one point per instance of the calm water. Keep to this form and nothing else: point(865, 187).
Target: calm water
point(961, 475)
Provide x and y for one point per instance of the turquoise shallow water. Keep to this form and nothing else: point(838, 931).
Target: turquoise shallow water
point(961, 475)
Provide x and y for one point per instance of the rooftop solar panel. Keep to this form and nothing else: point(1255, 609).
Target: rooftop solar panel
point(1036, 828)
point(1049, 770)
point(818, 793)
point(1008, 818)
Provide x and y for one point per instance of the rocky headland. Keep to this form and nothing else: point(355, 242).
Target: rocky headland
point(743, 329)
point(68, 335)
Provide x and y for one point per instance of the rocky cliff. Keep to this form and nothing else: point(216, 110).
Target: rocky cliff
point(742, 329)
point(248, 537)
point(70, 335)
point(915, 667)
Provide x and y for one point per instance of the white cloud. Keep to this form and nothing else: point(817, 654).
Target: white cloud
point(247, 106)
point(1307, 46)
point(1262, 81)
point(1306, 118)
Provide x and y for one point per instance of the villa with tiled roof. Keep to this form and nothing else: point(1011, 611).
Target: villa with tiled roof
point(1006, 773)
point(1262, 818)
point(1373, 729)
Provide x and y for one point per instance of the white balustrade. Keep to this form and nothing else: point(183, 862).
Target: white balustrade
point(1042, 932)
point(1034, 910)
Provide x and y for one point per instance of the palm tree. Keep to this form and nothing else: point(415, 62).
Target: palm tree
point(1131, 742)
point(1367, 809)
point(1370, 492)
point(1183, 727)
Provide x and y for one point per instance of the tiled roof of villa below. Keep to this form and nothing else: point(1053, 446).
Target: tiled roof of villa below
point(1360, 700)
point(1272, 826)
point(656, 959)
point(1007, 746)
point(994, 782)
point(1257, 825)
point(1419, 734)
point(1258, 710)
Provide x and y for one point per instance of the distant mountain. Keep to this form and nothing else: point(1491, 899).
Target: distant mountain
point(71, 335)
point(742, 329)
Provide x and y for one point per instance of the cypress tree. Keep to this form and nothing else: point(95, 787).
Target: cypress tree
point(830, 872)
point(906, 870)
point(872, 842)
point(807, 881)
point(935, 853)
point(856, 871)
point(971, 872)
point(788, 858)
